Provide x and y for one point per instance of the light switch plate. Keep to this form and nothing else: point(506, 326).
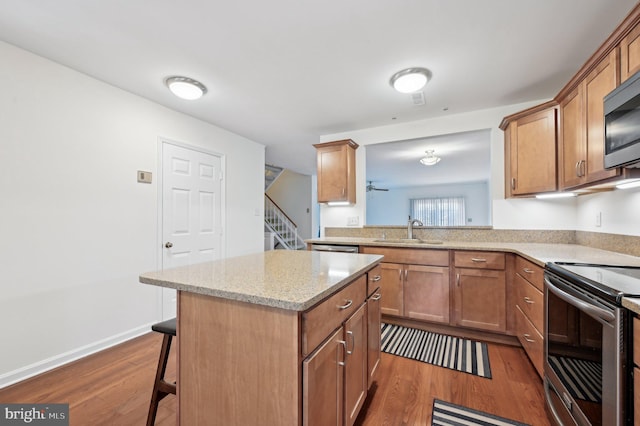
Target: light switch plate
point(353, 221)
point(144, 177)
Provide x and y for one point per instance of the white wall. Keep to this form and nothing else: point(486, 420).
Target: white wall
point(292, 192)
point(77, 228)
point(392, 207)
point(506, 214)
point(620, 212)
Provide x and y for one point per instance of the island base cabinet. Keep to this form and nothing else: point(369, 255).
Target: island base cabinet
point(373, 331)
point(230, 355)
point(356, 371)
point(323, 374)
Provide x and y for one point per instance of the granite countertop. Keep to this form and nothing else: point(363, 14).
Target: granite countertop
point(292, 280)
point(537, 253)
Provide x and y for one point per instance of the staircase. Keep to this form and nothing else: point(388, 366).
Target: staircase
point(285, 230)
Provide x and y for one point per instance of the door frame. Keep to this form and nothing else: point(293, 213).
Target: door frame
point(160, 181)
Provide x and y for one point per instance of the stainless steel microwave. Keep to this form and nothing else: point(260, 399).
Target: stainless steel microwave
point(622, 125)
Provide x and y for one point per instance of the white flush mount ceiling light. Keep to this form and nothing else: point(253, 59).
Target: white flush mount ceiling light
point(410, 80)
point(430, 159)
point(185, 87)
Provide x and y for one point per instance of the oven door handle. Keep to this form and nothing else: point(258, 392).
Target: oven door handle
point(603, 314)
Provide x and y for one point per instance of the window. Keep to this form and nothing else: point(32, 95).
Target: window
point(439, 211)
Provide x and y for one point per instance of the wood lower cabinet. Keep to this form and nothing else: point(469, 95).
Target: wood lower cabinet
point(426, 293)
point(480, 292)
point(636, 371)
point(414, 282)
point(392, 288)
point(323, 383)
point(528, 280)
point(374, 322)
point(356, 372)
point(243, 363)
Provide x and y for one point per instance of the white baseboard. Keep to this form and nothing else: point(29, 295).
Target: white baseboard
point(40, 367)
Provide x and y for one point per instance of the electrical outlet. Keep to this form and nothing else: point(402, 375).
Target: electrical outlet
point(353, 221)
point(599, 219)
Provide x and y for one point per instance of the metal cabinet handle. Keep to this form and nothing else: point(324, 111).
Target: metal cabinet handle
point(528, 300)
point(353, 343)
point(458, 280)
point(375, 278)
point(346, 305)
point(406, 274)
point(168, 244)
point(513, 184)
point(528, 271)
point(526, 337)
point(478, 260)
point(376, 296)
point(583, 168)
point(578, 168)
point(344, 352)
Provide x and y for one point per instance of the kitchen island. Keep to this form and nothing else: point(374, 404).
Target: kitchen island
point(280, 337)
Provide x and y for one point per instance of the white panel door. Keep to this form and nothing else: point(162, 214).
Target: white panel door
point(191, 211)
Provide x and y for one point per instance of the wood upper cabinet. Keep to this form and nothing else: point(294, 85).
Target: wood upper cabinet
point(480, 292)
point(530, 151)
point(337, 171)
point(630, 54)
point(581, 144)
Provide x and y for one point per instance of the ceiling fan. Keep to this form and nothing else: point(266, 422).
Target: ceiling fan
point(371, 187)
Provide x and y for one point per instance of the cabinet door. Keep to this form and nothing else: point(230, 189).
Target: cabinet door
point(480, 299)
point(391, 289)
point(572, 148)
point(356, 372)
point(332, 174)
point(426, 293)
point(630, 54)
point(373, 332)
point(322, 399)
point(597, 85)
point(533, 153)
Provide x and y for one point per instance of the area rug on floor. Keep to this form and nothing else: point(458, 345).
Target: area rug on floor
point(446, 414)
point(583, 378)
point(451, 352)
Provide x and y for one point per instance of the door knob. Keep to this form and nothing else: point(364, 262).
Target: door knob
point(168, 244)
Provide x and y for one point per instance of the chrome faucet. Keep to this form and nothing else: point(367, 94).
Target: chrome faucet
point(410, 227)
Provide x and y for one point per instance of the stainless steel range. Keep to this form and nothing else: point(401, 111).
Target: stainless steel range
point(587, 342)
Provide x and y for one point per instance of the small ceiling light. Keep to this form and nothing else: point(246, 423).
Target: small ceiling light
point(410, 80)
point(430, 159)
point(185, 87)
point(556, 195)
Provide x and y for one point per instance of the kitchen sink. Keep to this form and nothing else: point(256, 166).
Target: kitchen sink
point(408, 241)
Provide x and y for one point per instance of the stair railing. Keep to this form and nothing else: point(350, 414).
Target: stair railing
point(285, 229)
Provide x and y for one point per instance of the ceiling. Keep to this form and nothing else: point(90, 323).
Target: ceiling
point(284, 72)
point(465, 157)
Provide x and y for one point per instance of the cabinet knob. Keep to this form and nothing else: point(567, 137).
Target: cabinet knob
point(168, 244)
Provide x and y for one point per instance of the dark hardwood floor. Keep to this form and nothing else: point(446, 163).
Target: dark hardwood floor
point(114, 386)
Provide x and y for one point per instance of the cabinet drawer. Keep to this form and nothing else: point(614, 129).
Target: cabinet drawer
point(531, 340)
point(530, 301)
point(530, 271)
point(479, 259)
point(373, 280)
point(321, 320)
point(410, 256)
point(636, 341)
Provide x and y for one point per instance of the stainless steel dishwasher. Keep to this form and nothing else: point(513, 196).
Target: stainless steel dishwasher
point(335, 248)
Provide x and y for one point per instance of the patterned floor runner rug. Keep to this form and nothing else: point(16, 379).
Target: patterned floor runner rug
point(451, 352)
point(447, 414)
